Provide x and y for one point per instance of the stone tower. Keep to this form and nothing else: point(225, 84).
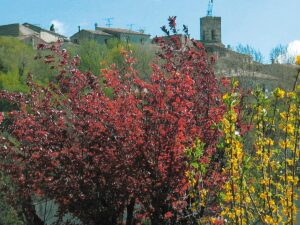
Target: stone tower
point(210, 29)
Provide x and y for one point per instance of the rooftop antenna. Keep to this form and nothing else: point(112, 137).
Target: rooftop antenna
point(130, 26)
point(108, 20)
point(142, 30)
point(210, 7)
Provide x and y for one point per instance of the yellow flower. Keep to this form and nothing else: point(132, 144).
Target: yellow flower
point(279, 93)
point(293, 108)
point(269, 141)
point(283, 115)
point(272, 203)
point(259, 152)
point(187, 173)
point(269, 220)
point(238, 211)
point(297, 60)
point(235, 83)
point(231, 215)
point(228, 197)
point(247, 200)
point(225, 97)
point(291, 94)
point(290, 178)
point(290, 129)
point(263, 196)
point(252, 189)
point(193, 182)
point(290, 162)
point(282, 144)
point(213, 220)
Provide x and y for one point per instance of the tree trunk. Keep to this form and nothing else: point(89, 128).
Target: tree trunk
point(30, 214)
point(157, 216)
point(130, 211)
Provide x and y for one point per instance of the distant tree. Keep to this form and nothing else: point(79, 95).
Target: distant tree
point(278, 54)
point(145, 55)
point(91, 55)
point(95, 56)
point(16, 60)
point(249, 50)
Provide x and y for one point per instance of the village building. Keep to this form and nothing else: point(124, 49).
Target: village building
point(87, 35)
point(103, 34)
point(46, 35)
point(30, 34)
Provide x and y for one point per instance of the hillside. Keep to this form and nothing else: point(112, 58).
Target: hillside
point(251, 73)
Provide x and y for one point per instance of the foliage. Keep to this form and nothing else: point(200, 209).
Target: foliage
point(95, 56)
point(8, 215)
point(281, 54)
point(248, 50)
point(178, 148)
point(100, 156)
point(91, 54)
point(278, 54)
point(16, 61)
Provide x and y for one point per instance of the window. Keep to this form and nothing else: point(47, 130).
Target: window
point(213, 35)
point(203, 35)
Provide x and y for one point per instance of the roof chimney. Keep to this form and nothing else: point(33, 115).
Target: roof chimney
point(78, 28)
point(96, 25)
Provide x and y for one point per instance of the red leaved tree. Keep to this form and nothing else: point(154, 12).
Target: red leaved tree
point(99, 156)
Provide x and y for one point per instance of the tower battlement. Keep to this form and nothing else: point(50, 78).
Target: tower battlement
point(210, 29)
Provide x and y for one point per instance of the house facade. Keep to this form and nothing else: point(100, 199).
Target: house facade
point(126, 35)
point(87, 35)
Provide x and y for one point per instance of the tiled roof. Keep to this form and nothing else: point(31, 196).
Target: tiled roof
point(100, 32)
point(120, 30)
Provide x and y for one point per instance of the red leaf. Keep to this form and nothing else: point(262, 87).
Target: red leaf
point(168, 215)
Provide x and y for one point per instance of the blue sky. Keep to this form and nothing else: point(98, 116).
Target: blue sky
point(260, 23)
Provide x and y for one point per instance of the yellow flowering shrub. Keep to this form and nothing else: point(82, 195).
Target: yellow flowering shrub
point(261, 164)
point(297, 60)
point(262, 180)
